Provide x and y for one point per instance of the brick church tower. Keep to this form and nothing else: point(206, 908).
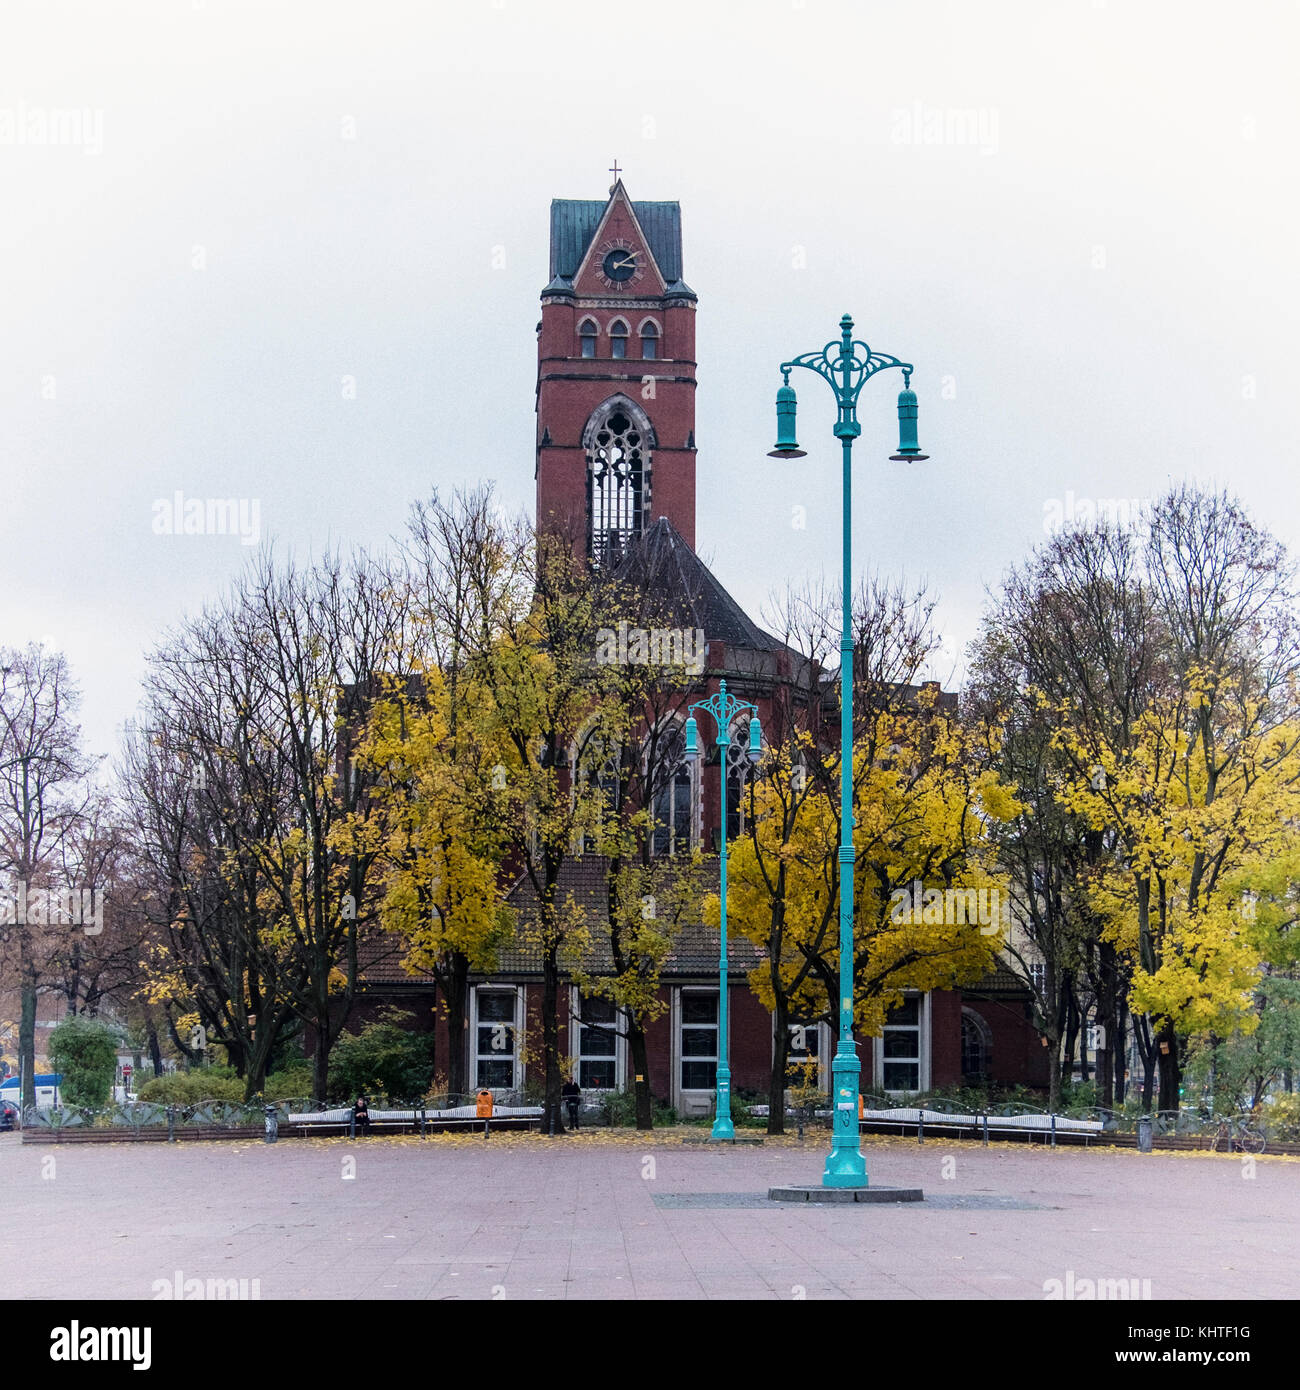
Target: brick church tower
point(616, 376)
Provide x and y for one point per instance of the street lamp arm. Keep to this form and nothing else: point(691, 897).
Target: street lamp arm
point(860, 362)
point(724, 708)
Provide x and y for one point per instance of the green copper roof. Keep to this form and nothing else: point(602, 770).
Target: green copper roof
point(574, 222)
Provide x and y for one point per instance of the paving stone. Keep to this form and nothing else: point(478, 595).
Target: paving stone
point(555, 1220)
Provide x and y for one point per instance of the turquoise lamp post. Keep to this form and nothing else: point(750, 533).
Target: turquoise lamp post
point(847, 365)
point(724, 708)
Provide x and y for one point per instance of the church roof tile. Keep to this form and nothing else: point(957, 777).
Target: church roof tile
point(659, 561)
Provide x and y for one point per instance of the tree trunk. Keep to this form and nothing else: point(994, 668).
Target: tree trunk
point(1054, 1065)
point(320, 1062)
point(1120, 1053)
point(455, 993)
point(1066, 1072)
point(1147, 1052)
point(780, 1060)
point(1170, 1071)
point(1106, 1064)
point(645, 1110)
point(155, 1049)
point(27, 1029)
point(552, 1104)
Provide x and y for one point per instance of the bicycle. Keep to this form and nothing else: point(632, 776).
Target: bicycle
point(1238, 1136)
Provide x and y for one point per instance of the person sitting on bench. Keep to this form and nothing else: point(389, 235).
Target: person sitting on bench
point(361, 1113)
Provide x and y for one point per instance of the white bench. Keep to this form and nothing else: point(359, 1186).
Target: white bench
point(457, 1117)
point(1041, 1123)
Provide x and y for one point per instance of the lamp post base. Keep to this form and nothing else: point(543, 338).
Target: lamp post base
point(845, 1166)
point(722, 1126)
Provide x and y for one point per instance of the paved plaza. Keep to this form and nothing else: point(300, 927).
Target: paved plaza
point(524, 1217)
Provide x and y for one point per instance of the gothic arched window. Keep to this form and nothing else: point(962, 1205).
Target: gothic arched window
point(594, 772)
point(739, 771)
point(618, 479)
point(587, 337)
point(649, 339)
point(618, 338)
point(672, 788)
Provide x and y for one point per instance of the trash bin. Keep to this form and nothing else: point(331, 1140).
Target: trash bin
point(483, 1105)
point(1144, 1134)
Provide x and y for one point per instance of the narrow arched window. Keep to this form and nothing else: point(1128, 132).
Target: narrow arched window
point(587, 337)
point(594, 774)
point(618, 479)
point(739, 776)
point(672, 786)
point(618, 338)
point(649, 340)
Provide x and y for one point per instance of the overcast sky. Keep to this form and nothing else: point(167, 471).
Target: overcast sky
point(1077, 217)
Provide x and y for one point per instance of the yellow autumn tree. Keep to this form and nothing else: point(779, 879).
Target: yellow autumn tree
point(1202, 798)
point(439, 836)
point(1166, 660)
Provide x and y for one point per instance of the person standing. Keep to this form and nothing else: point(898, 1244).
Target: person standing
point(572, 1094)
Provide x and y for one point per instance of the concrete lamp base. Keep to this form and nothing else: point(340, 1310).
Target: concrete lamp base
point(844, 1194)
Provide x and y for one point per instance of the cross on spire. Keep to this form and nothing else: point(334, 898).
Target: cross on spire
point(616, 171)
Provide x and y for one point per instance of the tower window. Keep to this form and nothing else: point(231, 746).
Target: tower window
point(587, 337)
point(618, 338)
point(649, 340)
point(618, 480)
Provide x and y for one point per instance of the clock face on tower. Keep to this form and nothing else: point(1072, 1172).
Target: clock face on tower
point(621, 265)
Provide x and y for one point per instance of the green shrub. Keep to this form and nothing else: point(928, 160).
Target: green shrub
point(620, 1106)
point(293, 1083)
point(190, 1087)
point(385, 1059)
point(740, 1104)
point(1079, 1095)
point(85, 1051)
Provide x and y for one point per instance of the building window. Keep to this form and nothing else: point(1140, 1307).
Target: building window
point(496, 1037)
point(595, 765)
point(618, 338)
point(739, 769)
point(698, 1039)
point(587, 337)
point(598, 1044)
point(649, 340)
point(618, 481)
point(673, 792)
point(900, 1048)
point(976, 1048)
